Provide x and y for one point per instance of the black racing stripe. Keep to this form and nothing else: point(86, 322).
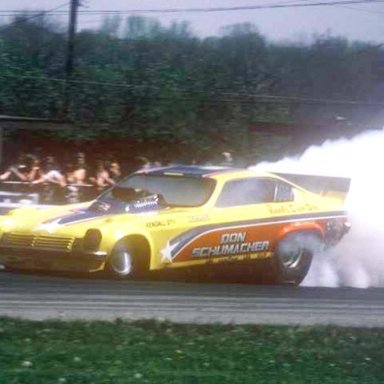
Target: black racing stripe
point(187, 236)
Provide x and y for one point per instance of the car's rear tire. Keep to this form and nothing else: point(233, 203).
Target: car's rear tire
point(293, 257)
point(127, 260)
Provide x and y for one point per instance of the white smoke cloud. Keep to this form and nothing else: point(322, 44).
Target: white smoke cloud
point(358, 260)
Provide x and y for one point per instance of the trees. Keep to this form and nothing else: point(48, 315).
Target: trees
point(141, 79)
point(31, 57)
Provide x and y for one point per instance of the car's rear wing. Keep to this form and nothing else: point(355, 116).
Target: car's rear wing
point(329, 186)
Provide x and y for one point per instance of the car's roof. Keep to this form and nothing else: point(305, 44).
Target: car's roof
point(197, 171)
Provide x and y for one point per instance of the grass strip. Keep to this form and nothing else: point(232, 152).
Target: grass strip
point(123, 352)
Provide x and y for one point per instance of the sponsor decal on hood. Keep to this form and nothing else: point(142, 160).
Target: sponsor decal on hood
point(104, 207)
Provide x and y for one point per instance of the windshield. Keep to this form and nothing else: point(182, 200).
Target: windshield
point(174, 190)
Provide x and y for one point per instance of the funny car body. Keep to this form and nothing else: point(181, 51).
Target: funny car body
point(182, 217)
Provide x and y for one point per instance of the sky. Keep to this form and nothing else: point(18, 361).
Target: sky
point(363, 22)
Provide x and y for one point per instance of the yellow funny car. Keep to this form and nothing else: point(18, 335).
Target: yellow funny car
point(183, 217)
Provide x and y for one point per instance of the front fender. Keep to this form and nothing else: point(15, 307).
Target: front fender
point(111, 235)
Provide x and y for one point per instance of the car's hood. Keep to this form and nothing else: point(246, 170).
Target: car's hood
point(77, 219)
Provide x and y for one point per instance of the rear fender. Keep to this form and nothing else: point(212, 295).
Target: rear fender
point(307, 227)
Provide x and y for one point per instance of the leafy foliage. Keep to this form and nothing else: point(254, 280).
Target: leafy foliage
point(147, 81)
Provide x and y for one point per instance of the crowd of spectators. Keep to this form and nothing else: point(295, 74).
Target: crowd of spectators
point(61, 182)
point(58, 181)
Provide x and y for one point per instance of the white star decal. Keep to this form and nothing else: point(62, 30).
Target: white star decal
point(167, 252)
point(49, 227)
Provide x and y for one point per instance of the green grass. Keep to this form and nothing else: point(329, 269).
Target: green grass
point(162, 352)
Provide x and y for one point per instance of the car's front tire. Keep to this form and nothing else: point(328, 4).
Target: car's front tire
point(293, 257)
point(127, 261)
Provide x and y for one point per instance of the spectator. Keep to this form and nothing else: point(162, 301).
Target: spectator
point(52, 173)
point(142, 163)
point(71, 190)
point(114, 170)
point(17, 172)
point(102, 178)
point(79, 174)
point(74, 192)
point(53, 182)
point(14, 173)
point(226, 159)
point(33, 169)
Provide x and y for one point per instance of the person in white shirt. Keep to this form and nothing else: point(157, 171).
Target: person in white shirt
point(53, 181)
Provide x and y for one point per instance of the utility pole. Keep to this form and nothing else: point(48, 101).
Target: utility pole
point(70, 51)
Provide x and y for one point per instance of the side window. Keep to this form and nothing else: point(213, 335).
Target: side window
point(284, 192)
point(246, 192)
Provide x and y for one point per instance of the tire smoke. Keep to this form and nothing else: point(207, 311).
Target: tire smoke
point(358, 260)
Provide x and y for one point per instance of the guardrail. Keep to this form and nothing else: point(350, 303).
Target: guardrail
point(21, 192)
point(6, 207)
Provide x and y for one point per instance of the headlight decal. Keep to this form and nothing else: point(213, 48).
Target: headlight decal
point(92, 240)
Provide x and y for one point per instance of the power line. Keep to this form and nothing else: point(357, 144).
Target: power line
point(214, 9)
point(362, 10)
point(34, 16)
point(12, 12)
point(245, 8)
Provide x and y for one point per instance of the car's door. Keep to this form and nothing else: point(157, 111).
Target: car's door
point(241, 225)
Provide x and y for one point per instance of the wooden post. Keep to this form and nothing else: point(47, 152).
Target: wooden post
point(70, 53)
